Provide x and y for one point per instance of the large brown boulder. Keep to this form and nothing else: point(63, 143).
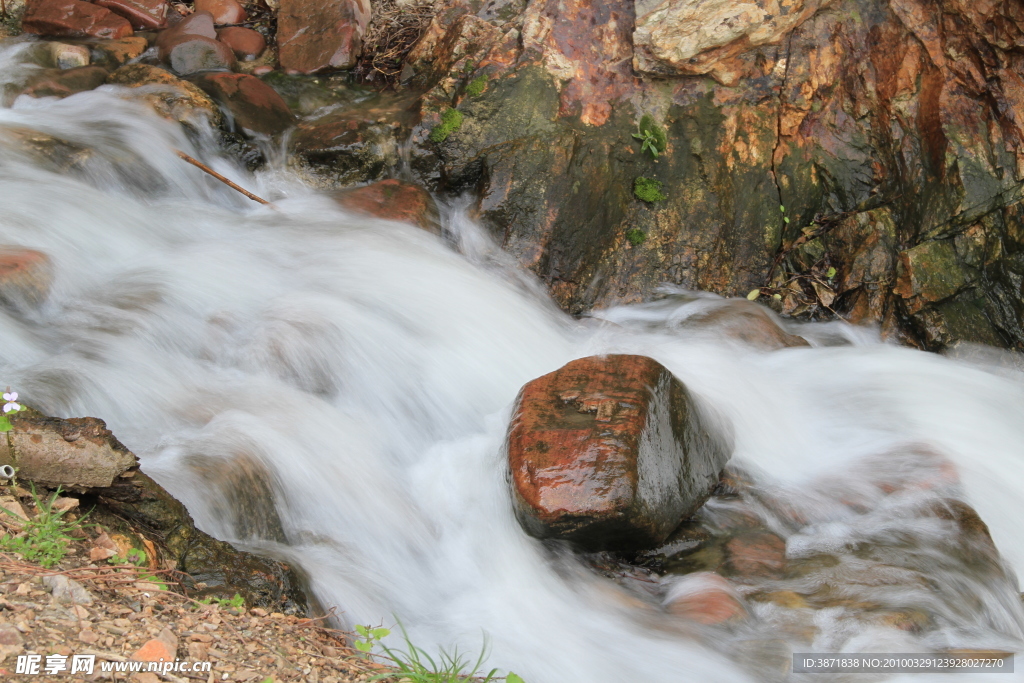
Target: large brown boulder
point(73, 19)
point(316, 36)
point(609, 452)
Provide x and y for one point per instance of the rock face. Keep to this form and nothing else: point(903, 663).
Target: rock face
point(75, 453)
point(609, 452)
point(879, 138)
point(315, 36)
point(73, 19)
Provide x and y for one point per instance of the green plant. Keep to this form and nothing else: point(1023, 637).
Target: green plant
point(416, 666)
point(10, 407)
point(648, 190)
point(44, 538)
point(477, 86)
point(782, 209)
point(237, 602)
point(451, 120)
point(636, 236)
point(138, 558)
point(653, 137)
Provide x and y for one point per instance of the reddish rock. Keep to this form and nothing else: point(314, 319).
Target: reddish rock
point(25, 276)
point(73, 19)
point(143, 14)
point(705, 598)
point(223, 11)
point(253, 104)
point(755, 554)
point(609, 452)
point(393, 200)
point(61, 83)
point(244, 42)
point(189, 54)
point(163, 648)
point(314, 36)
point(197, 24)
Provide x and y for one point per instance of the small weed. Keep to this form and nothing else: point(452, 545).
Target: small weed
point(782, 210)
point(477, 86)
point(636, 236)
point(44, 538)
point(451, 120)
point(653, 137)
point(416, 666)
point(138, 558)
point(648, 190)
point(237, 602)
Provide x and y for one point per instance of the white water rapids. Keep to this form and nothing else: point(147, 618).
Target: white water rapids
point(370, 368)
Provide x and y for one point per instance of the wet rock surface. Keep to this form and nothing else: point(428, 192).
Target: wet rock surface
point(25, 274)
point(253, 105)
point(65, 82)
point(609, 452)
point(143, 14)
point(393, 200)
point(314, 36)
point(170, 96)
point(244, 42)
point(73, 19)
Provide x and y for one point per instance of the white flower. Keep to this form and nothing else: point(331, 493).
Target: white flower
point(11, 406)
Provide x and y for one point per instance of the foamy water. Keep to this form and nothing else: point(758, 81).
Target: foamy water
point(370, 367)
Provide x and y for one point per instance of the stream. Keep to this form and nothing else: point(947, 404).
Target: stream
point(362, 373)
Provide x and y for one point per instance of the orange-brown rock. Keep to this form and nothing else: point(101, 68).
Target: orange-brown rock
point(73, 19)
point(393, 200)
point(61, 83)
point(745, 322)
point(316, 36)
point(25, 276)
point(253, 104)
point(609, 452)
point(244, 42)
point(705, 598)
point(143, 14)
point(223, 11)
point(197, 24)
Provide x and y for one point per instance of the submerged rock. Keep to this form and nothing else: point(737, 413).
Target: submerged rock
point(73, 19)
point(170, 96)
point(610, 453)
point(393, 200)
point(706, 599)
point(69, 56)
point(26, 274)
point(65, 82)
point(253, 105)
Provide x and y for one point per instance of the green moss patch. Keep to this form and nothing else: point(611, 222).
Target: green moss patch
point(477, 86)
point(636, 236)
point(451, 120)
point(648, 190)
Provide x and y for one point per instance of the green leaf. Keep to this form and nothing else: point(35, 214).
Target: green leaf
point(361, 630)
point(831, 273)
point(5, 424)
point(754, 293)
point(379, 633)
point(513, 678)
point(782, 208)
point(786, 218)
point(363, 645)
point(776, 296)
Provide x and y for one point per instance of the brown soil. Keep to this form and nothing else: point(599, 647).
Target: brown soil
point(128, 612)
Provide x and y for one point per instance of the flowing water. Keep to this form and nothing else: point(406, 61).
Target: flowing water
point(369, 368)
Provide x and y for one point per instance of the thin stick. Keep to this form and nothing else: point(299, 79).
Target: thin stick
point(203, 167)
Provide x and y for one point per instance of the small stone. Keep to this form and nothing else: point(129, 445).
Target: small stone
point(705, 598)
point(244, 42)
point(73, 19)
point(69, 56)
point(191, 54)
point(119, 52)
point(67, 591)
point(198, 651)
point(11, 521)
point(197, 24)
point(162, 648)
point(11, 641)
point(63, 504)
point(143, 14)
point(89, 637)
point(786, 599)
point(223, 11)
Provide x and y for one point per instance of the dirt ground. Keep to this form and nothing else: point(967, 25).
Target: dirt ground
point(118, 610)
